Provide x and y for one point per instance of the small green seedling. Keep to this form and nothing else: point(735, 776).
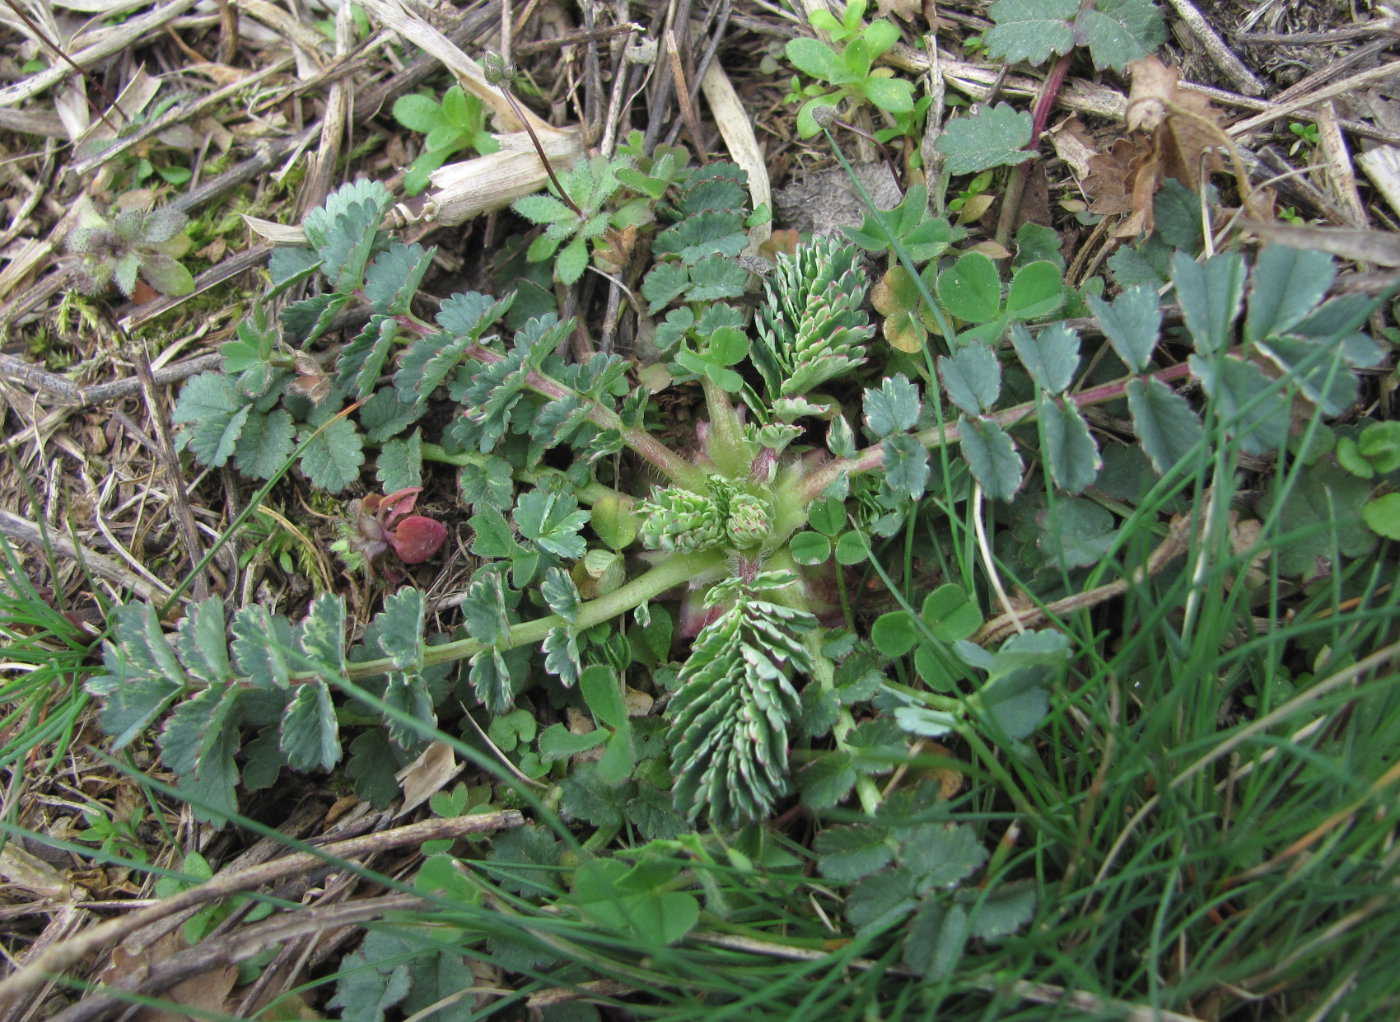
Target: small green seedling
point(457, 123)
point(852, 72)
point(134, 243)
point(1307, 136)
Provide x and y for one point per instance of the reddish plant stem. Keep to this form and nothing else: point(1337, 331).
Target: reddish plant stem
point(1046, 100)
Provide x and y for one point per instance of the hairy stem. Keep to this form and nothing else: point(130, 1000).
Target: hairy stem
point(677, 570)
point(638, 440)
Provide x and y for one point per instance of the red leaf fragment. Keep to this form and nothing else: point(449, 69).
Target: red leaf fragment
point(417, 538)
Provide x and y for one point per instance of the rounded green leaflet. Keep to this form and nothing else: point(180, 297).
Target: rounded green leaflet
point(1382, 516)
point(809, 548)
point(970, 289)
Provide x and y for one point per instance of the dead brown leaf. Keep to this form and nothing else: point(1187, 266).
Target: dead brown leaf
point(906, 9)
point(1175, 134)
point(427, 775)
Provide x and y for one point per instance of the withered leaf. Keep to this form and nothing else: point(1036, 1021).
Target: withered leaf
point(1185, 128)
point(1175, 134)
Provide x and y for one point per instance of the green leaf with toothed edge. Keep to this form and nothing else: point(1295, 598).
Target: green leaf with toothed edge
point(400, 463)
point(972, 378)
point(310, 734)
point(992, 457)
point(1051, 356)
point(264, 444)
point(332, 460)
point(399, 627)
point(995, 137)
point(1210, 294)
point(893, 408)
point(262, 642)
point(1165, 423)
point(1070, 452)
point(362, 360)
point(1132, 323)
point(215, 414)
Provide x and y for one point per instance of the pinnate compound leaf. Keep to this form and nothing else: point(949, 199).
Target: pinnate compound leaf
point(992, 457)
point(1131, 324)
point(1165, 422)
point(1287, 284)
point(1051, 356)
point(265, 444)
point(1070, 451)
point(310, 734)
point(215, 413)
point(995, 137)
point(970, 289)
point(730, 718)
point(333, 459)
point(972, 378)
point(1210, 294)
point(1031, 30)
point(893, 408)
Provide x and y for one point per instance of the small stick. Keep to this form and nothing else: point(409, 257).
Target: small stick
point(65, 955)
point(165, 451)
point(499, 73)
point(62, 55)
point(1223, 56)
point(688, 109)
